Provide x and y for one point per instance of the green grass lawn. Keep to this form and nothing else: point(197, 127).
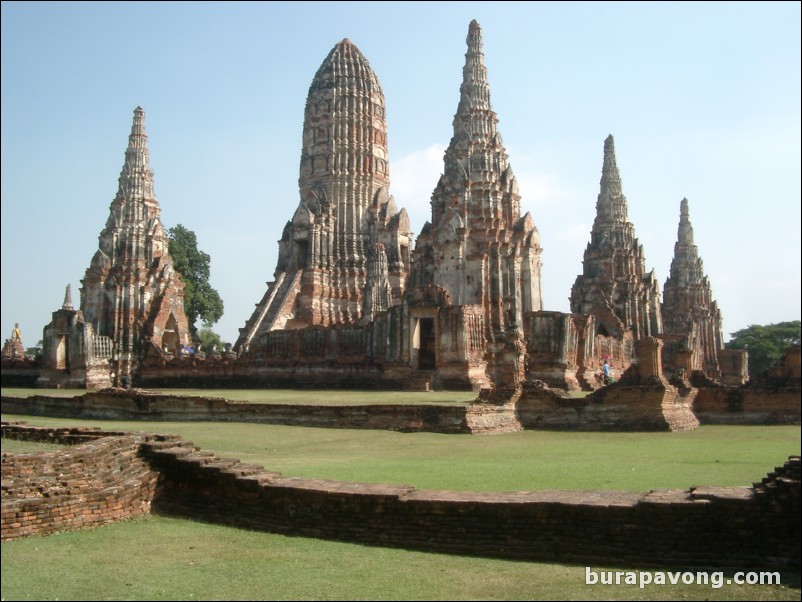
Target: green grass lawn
point(158, 558)
point(294, 396)
point(15, 446)
point(710, 455)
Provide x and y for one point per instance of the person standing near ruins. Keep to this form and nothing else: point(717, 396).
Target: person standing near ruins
point(606, 370)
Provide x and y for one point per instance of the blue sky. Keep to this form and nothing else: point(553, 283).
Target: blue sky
point(703, 100)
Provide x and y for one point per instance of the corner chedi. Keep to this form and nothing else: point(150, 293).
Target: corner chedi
point(614, 286)
point(132, 299)
point(691, 318)
point(344, 256)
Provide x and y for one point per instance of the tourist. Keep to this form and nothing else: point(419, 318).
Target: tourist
point(606, 373)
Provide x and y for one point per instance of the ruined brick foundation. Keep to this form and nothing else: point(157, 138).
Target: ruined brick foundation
point(99, 478)
point(722, 527)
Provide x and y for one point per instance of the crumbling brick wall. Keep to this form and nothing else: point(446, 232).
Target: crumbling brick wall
point(133, 404)
point(98, 478)
point(723, 527)
point(720, 527)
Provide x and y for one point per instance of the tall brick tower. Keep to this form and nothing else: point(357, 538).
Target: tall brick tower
point(478, 246)
point(478, 250)
point(344, 256)
point(688, 305)
point(130, 292)
point(614, 285)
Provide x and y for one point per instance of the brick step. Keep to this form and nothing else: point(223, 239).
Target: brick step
point(262, 477)
point(245, 470)
point(222, 464)
point(178, 452)
point(170, 443)
point(201, 458)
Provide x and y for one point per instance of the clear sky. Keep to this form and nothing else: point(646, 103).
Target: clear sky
point(703, 100)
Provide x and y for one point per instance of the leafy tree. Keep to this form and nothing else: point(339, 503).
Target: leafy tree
point(32, 352)
point(765, 344)
point(200, 299)
point(209, 340)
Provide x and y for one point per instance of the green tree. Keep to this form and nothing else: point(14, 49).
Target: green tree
point(209, 340)
point(200, 299)
point(765, 344)
point(32, 352)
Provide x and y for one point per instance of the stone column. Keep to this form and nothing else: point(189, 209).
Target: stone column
point(683, 360)
point(650, 361)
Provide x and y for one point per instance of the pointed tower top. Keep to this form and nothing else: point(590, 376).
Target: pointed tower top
point(475, 90)
point(610, 175)
point(611, 205)
point(138, 127)
point(685, 230)
point(67, 305)
point(474, 39)
point(137, 159)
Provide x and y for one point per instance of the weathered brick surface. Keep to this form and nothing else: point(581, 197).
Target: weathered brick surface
point(99, 478)
point(689, 311)
point(739, 527)
point(773, 398)
point(707, 527)
point(633, 404)
point(122, 404)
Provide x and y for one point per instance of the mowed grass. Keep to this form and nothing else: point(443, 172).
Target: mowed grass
point(158, 558)
point(15, 446)
point(291, 396)
point(524, 461)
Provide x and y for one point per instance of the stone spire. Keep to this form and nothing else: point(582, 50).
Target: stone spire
point(130, 292)
point(614, 285)
point(345, 206)
point(475, 90)
point(611, 206)
point(688, 305)
point(67, 305)
point(478, 246)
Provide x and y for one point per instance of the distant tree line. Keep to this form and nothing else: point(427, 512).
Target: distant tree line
point(765, 344)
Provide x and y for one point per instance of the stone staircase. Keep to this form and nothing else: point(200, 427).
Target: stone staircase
point(281, 294)
point(191, 458)
point(782, 480)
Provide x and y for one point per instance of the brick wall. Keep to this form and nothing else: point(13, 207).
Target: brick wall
point(737, 527)
point(123, 404)
point(766, 400)
point(115, 476)
point(99, 478)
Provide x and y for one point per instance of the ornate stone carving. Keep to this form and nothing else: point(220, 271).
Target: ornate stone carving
point(345, 209)
point(477, 246)
point(688, 306)
point(131, 292)
point(614, 286)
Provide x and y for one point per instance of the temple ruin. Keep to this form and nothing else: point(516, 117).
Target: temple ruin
point(352, 304)
point(344, 255)
point(692, 319)
point(614, 286)
point(132, 299)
